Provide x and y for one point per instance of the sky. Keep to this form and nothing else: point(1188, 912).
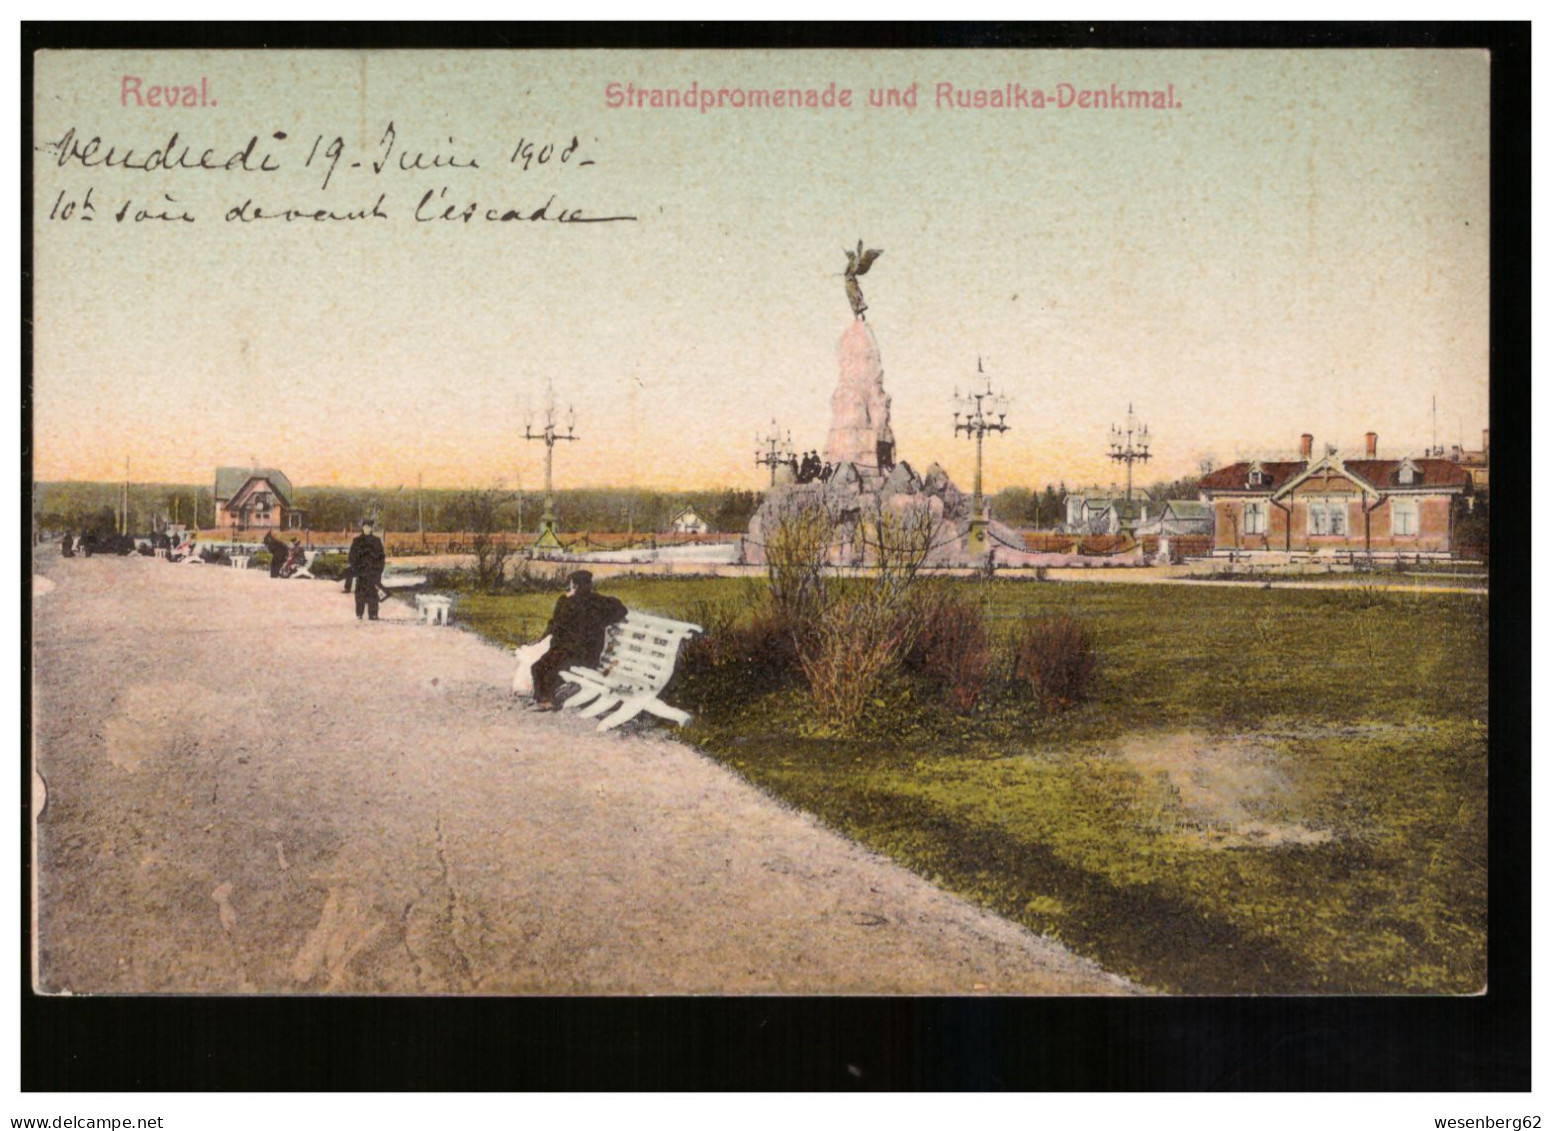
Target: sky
point(1299, 243)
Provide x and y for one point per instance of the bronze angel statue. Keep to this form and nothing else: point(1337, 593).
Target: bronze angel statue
point(857, 263)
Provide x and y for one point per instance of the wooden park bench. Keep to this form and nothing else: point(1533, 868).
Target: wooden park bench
point(637, 663)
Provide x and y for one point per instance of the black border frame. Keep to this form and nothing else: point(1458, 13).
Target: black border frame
point(174, 1044)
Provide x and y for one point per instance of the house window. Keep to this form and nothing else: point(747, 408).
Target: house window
point(1255, 518)
point(1403, 516)
point(1328, 518)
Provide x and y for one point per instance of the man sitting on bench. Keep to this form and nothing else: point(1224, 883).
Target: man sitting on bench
point(577, 632)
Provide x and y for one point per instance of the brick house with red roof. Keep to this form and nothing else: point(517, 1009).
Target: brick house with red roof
point(1334, 505)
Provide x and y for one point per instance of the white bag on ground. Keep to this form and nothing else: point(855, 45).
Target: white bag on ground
point(527, 656)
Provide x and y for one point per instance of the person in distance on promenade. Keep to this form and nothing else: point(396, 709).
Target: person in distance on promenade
point(367, 559)
point(277, 552)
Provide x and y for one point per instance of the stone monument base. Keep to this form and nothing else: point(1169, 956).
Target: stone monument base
point(855, 498)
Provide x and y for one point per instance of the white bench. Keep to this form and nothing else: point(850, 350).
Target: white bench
point(240, 561)
point(433, 608)
point(159, 553)
point(306, 570)
point(637, 663)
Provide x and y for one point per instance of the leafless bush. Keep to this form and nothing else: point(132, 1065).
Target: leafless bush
point(797, 543)
point(896, 543)
point(847, 650)
point(481, 513)
point(953, 648)
point(847, 633)
point(1057, 658)
point(528, 576)
point(741, 653)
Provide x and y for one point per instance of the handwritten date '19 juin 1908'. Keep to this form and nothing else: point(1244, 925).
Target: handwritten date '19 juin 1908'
point(525, 155)
point(324, 154)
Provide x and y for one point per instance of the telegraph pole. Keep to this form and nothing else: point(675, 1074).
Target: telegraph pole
point(978, 408)
point(550, 435)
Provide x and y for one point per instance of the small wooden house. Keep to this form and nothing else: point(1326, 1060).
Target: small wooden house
point(256, 498)
point(686, 521)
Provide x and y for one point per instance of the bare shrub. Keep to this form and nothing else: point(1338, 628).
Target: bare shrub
point(739, 655)
point(846, 651)
point(797, 543)
point(482, 513)
point(527, 576)
point(953, 648)
point(1058, 660)
point(870, 623)
point(847, 634)
point(897, 542)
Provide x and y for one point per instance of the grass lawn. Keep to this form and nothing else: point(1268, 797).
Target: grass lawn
point(1271, 791)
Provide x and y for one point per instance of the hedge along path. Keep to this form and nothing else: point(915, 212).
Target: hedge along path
point(251, 792)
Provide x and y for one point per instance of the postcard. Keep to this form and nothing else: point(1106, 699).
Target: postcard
point(945, 523)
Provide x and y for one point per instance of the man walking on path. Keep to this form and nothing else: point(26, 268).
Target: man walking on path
point(366, 566)
point(576, 633)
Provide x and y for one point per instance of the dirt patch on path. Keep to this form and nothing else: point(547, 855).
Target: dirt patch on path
point(249, 791)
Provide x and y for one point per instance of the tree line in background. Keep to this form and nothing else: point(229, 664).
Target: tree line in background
point(60, 506)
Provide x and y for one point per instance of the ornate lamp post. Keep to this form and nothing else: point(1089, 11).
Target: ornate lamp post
point(977, 410)
point(1130, 446)
point(550, 434)
point(774, 451)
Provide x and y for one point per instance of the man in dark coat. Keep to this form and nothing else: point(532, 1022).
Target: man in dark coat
point(367, 559)
point(277, 552)
point(67, 547)
point(577, 630)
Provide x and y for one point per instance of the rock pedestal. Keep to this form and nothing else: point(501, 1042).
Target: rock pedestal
point(859, 407)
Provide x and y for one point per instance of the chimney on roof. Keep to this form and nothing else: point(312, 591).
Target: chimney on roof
point(1306, 446)
point(1371, 443)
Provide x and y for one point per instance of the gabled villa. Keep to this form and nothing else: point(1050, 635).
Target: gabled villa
point(1367, 506)
point(256, 498)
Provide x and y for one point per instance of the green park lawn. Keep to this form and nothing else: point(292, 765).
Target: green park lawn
point(1269, 791)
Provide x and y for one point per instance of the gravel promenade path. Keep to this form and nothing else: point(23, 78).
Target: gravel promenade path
point(248, 791)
